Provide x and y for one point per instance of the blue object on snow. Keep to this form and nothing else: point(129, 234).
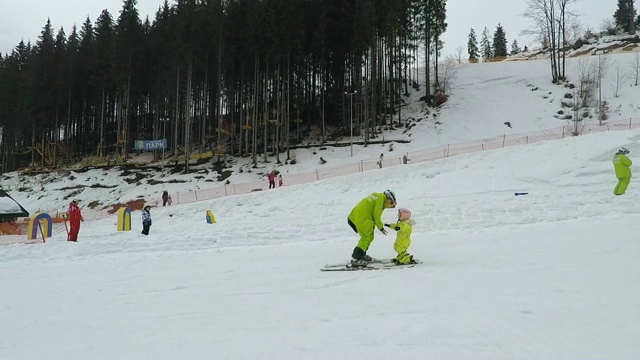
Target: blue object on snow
point(521, 193)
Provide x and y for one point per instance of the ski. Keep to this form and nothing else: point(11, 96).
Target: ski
point(374, 261)
point(349, 268)
point(400, 266)
point(380, 265)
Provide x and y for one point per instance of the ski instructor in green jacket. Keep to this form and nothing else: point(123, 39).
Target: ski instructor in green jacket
point(622, 166)
point(364, 218)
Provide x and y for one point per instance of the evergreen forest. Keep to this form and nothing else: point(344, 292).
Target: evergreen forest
point(245, 78)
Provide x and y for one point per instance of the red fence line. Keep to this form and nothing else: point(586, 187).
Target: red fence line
point(431, 154)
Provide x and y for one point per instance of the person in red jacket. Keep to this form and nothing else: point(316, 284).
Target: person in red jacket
point(272, 179)
point(75, 217)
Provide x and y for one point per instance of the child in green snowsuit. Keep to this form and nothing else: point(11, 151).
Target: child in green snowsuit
point(404, 226)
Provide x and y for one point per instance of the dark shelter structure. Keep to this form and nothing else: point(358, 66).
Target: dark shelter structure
point(10, 209)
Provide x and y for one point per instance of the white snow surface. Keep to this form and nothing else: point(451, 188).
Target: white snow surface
point(549, 275)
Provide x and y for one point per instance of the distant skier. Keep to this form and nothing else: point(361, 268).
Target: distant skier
point(403, 226)
point(622, 167)
point(272, 179)
point(364, 218)
point(165, 198)
point(75, 218)
point(280, 181)
point(146, 219)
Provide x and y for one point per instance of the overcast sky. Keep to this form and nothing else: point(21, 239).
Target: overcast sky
point(24, 20)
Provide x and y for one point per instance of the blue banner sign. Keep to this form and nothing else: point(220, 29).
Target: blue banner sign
point(150, 144)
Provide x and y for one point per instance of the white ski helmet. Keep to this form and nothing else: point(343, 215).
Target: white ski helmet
point(390, 195)
point(623, 150)
point(404, 214)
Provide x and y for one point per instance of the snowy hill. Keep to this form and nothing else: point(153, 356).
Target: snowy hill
point(484, 97)
point(619, 43)
point(548, 275)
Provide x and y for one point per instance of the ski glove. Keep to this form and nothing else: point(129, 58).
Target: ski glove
point(394, 228)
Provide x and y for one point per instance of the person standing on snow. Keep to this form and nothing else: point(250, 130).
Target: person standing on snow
point(75, 217)
point(364, 218)
point(622, 167)
point(403, 226)
point(146, 219)
point(165, 198)
point(272, 179)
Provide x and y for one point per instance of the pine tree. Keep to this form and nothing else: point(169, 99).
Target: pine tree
point(624, 14)
point(42, 78)
point(472, 46)
point(515, 48)
point(485, 45)
point(499, 42)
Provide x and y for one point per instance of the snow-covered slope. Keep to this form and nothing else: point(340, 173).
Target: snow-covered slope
point(548, 275)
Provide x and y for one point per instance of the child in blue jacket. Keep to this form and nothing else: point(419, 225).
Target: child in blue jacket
point(146, 219)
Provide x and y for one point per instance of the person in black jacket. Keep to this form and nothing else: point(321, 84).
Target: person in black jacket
point(165, 198)
point(146, 219)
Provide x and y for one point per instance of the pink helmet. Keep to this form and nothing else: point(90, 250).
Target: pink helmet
point(404, 214)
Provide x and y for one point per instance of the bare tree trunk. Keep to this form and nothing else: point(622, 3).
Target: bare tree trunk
point(218, 114)
point(254, 118)
point(390, 99)
point(635, 69)
point(177, 115)
point(373, 96)
point(287, 107)
point(101, 144)
point(278, 117)
point(206, 93)
point(125, 122)
point(427, 63)
point(620, 80)
point(188, 115)
point(265, 113)
point(632, 30)
point(242, 131)
point(324, 95)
